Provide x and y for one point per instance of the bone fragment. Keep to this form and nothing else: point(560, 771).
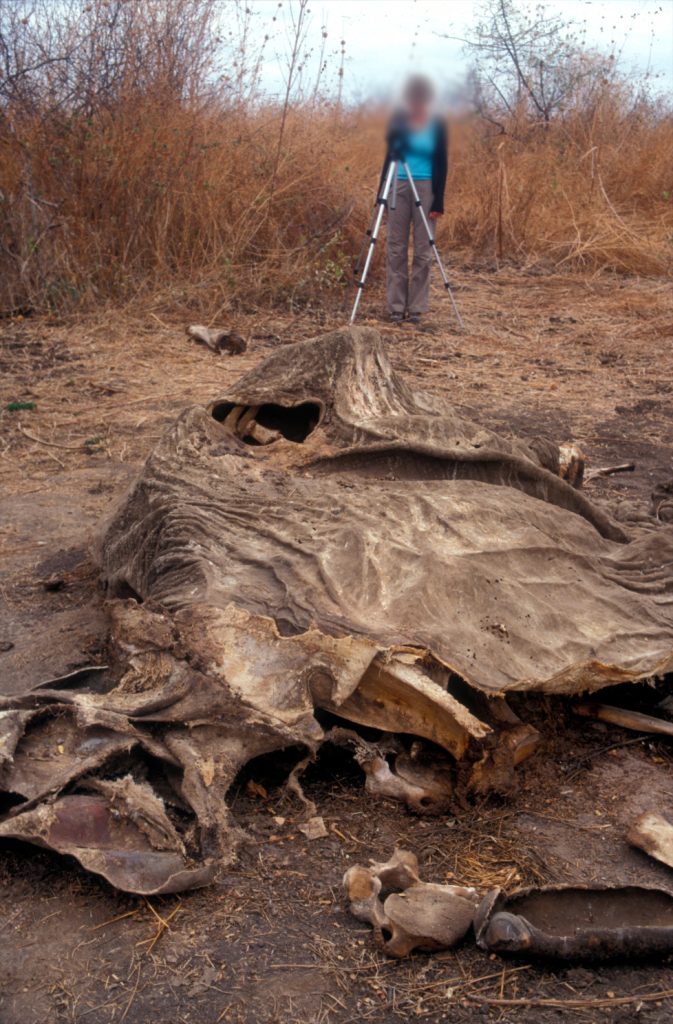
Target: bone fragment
point(262, 434)
point(627, 719)
point(422, 916)
point(428, 917)
point(421, 794)
point(653, 834)
point(217, 341)
point(401, 698)
point(400, 872)
point(494, 772)
point(362, 889)
point(426, 788)
point(571, 464)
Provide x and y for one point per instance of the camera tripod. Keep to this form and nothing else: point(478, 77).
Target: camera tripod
point(374, 228)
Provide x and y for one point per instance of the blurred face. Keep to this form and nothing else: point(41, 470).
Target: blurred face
point(419, 110)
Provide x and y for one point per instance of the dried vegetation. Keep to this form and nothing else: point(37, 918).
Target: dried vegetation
point(140, 156)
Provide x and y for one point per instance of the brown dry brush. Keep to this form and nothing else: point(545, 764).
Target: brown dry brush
point(138, 158)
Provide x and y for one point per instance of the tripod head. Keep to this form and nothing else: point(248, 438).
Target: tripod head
point(398, 138)
point(398, 146)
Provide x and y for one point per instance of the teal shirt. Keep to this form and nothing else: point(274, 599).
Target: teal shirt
point(421, 148)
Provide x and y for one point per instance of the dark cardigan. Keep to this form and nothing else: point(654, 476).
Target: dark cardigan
point(440, 159)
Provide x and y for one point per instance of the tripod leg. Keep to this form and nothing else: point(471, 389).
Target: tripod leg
point(431, 239)
point(368, 234)
point(383, 201)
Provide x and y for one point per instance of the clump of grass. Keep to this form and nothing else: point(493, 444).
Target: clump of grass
point(20, 406)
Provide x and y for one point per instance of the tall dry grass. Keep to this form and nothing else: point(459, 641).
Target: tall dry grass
point(210, 198)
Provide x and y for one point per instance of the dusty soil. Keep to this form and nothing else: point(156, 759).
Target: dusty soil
point(573, 358)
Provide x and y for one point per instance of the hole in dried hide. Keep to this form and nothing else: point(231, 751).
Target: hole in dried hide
point(287, 628)
point(645, 696)
point(9, 800)
point(123, 590)
point(333, 766)
point(294, 423)
point(222, 410)
point(267, 770)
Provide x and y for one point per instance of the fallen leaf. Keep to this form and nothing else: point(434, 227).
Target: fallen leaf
point(314, 828)
point(253, 788)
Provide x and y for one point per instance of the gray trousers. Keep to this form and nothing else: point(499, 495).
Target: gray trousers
point(404, 294)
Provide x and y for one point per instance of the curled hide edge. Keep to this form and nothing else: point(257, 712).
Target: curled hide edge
point(576, 922)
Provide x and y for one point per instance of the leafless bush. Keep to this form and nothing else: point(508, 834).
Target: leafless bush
point(529, 64)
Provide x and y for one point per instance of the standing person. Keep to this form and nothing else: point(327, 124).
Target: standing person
point(421, 137)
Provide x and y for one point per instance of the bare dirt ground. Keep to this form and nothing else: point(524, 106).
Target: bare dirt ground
point(568, 357)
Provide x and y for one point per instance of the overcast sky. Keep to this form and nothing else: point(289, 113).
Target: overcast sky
point(387, 38)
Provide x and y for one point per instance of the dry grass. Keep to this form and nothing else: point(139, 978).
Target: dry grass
point(218, 199)
point(180, 204)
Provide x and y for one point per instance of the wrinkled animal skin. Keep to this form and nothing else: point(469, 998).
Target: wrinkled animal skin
point(322, 538)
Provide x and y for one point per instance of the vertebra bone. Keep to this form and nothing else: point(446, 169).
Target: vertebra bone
point(423, 916)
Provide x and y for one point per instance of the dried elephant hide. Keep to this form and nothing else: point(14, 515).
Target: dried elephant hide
point(323, 537)
point(577, 922)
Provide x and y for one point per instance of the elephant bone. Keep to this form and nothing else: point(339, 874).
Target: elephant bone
point(414, 779)
point(400, 872)
point(423, 916)
point(362, 889)
point(218, 341)
point(427, 917)
point(423, 790)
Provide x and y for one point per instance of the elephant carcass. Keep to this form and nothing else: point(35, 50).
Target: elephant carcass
point(322, 492)
point(323, 537)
